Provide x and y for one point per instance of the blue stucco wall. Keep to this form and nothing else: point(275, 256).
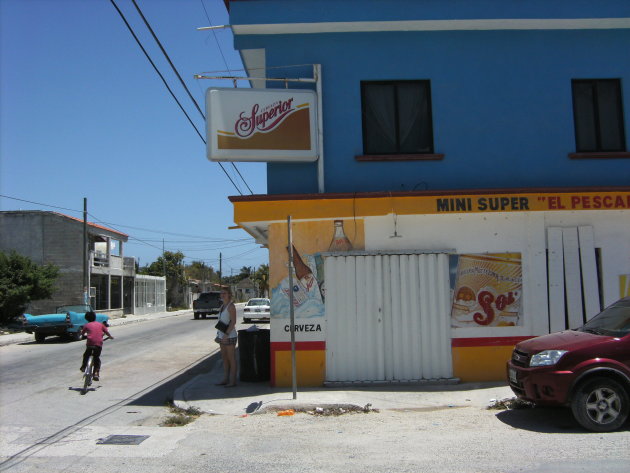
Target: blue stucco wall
point(502, 104)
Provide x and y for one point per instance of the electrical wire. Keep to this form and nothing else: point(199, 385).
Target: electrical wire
point(116, 226)
point(43, 205)
point(122, 16)
point(159, 43)
point(215, 37)
point(146, 242)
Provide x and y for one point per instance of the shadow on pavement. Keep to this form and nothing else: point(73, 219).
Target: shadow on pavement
point(52, 340)
point(545, 420)
point(163, 393)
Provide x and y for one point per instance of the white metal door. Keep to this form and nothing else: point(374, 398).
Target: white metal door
point(387, 318)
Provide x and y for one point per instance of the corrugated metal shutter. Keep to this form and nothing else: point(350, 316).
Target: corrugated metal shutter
point(387, 318)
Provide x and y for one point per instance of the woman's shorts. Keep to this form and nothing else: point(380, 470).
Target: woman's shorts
point(229, 341)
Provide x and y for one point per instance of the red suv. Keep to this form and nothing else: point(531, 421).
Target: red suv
point(587, 368)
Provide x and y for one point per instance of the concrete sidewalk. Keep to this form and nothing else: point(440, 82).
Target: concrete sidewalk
point(250, 398)
point(23, 337)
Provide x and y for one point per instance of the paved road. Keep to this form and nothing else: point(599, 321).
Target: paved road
point(46, 425)
point(40, 397)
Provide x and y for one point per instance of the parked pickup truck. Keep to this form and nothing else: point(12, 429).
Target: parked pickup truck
point(208, 303)
point(67, 321)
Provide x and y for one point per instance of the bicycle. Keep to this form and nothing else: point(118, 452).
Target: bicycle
point(88, 373)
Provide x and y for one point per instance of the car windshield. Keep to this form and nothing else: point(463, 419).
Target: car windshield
point(209, 296)
point(613, 321)
point(258, 302)
point(81, 308)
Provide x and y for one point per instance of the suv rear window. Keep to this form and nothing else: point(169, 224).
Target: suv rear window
point(208, 296)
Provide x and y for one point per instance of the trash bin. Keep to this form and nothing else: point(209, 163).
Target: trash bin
point(253, 351)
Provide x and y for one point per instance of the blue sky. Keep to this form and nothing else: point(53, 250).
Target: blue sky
point(83, 114)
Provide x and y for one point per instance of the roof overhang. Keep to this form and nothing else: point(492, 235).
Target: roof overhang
point(432, 25)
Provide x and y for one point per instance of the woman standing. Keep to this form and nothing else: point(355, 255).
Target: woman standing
point(227, 339)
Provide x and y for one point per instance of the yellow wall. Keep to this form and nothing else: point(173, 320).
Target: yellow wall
point(310, 369)
point(487, 363)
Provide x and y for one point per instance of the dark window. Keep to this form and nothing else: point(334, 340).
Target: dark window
point(397, 117)
point(598, 115)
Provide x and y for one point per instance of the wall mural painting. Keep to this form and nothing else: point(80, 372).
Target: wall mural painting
point(309, 291)
point(486, 290)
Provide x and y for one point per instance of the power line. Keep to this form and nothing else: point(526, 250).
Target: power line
point(122, 16)
point(159, 43)
point(215, 37)
point(210, 240)
point(201, 239)
point(43, 205)
point(146, 242)
point(114, 228)
point(168, 58)
point(155, 68)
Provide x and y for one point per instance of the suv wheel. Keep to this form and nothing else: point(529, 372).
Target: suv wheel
point(600, 405)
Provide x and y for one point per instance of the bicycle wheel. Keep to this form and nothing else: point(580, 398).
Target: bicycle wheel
point(87, 375)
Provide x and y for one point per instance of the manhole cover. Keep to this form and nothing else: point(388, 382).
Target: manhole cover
point(123, 440)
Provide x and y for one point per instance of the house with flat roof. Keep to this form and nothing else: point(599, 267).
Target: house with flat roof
point(458, 182)
point(113, 285)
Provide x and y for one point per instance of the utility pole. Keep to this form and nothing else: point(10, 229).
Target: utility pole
point(163, 259)
point(220, 270)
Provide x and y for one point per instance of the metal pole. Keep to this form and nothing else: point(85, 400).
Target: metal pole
point(85, 253)
point(291, 311)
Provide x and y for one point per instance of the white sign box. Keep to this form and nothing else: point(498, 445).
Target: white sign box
point(261, 125)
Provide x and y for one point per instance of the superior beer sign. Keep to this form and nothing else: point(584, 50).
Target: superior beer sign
point(261, 125)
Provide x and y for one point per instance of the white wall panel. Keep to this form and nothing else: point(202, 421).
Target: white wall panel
point(556, 280)
point(387, 318)
point(590, 281)
point(572, 277)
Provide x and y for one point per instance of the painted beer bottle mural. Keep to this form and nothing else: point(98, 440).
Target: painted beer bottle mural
point(340, 241)
point(308, 284)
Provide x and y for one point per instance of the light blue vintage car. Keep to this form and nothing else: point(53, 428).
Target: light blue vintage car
point(67, 321)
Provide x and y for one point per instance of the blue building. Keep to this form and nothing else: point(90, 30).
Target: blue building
point(472, 186)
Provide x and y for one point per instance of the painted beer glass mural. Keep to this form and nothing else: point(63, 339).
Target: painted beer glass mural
point(487, 290)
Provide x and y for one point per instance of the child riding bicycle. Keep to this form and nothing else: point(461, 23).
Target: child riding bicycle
point(94, 331)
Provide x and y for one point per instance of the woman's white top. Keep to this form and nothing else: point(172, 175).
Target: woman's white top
point(224, 316)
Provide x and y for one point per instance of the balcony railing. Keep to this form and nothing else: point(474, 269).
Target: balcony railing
point(100, 260)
